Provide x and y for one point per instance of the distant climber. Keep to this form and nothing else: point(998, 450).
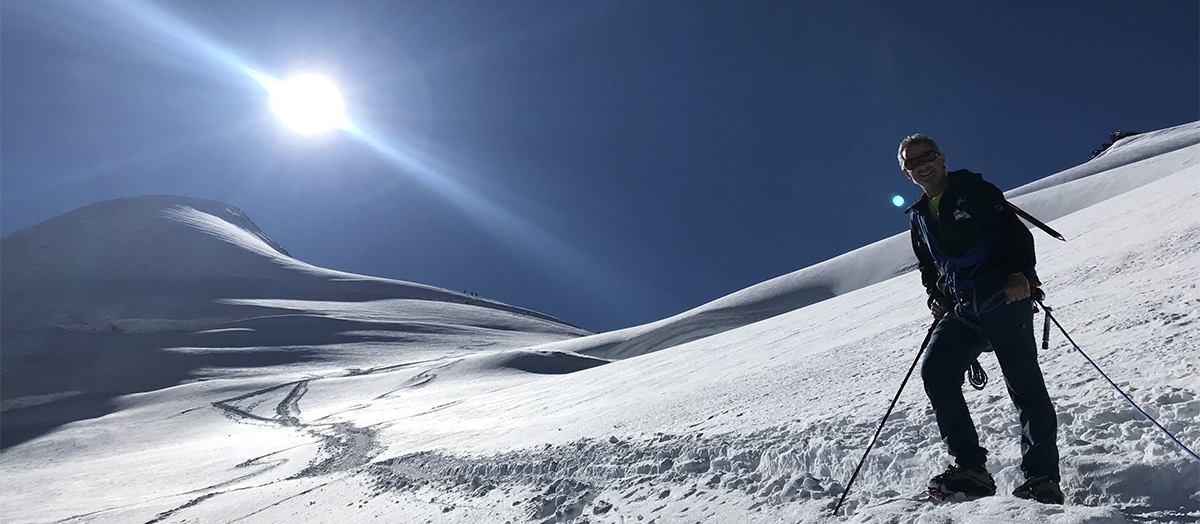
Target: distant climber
point(977, 264)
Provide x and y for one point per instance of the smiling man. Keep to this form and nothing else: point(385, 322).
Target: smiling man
point(977, 265)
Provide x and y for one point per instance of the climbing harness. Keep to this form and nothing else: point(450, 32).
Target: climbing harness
point(958, 272)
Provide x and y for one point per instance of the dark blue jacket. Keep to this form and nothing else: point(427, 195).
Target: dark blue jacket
point(974, 224)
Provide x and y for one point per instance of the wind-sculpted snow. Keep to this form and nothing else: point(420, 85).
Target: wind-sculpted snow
point(539, 362)
point(621, 478)
point(590, 478)
point(1125, 152)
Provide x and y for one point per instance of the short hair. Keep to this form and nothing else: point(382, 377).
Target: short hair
point(915, 139)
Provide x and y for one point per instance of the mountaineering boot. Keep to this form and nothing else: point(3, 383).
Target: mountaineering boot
point(970, 481)
point(1040, 488)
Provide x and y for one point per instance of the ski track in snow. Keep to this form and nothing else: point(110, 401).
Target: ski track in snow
point(344, 446)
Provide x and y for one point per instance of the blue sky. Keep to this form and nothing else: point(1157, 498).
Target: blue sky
point(609, 163)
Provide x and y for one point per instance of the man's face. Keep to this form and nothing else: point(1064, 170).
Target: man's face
point(925, 167)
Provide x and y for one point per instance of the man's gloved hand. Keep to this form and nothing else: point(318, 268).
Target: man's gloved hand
point(939, 307)
point(1017, 288)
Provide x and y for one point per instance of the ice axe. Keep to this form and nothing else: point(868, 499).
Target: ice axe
point(1032, 220)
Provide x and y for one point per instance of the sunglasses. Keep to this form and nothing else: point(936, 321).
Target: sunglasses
point(924, 158)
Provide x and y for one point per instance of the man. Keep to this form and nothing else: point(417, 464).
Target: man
point(977, 265)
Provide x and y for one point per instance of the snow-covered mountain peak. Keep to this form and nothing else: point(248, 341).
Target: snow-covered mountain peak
point(137, 294)
point(145, 238)
point(173, 258)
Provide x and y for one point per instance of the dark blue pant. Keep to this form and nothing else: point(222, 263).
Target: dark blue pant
point(956, 342)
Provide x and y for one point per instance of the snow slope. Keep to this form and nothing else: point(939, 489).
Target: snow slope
point(1138, 160)
point(753, 408)
point(138, 294)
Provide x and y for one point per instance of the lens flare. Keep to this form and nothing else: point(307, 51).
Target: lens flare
point(898, 201)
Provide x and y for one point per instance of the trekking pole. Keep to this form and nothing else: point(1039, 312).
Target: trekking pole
point(885, 417)
point(1116, 387)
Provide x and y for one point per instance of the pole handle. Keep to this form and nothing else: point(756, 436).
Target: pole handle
point(1046, 328)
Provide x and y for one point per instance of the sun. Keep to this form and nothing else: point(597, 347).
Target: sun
point(308, 104)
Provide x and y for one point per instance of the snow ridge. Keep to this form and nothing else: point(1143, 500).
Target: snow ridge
point(1127, 165)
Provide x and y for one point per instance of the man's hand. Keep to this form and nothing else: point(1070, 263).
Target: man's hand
point(939, 307)
point(1017, 288)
